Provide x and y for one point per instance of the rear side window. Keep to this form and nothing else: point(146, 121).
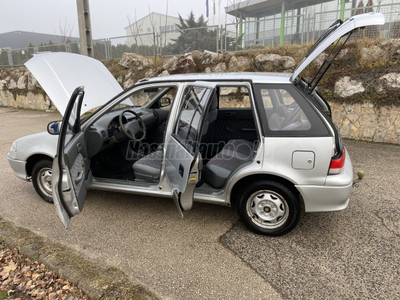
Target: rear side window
point(285, 112)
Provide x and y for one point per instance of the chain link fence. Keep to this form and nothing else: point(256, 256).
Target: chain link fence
point(245, 35)
point(304, 28)
point(17, 57)
point(167, 43)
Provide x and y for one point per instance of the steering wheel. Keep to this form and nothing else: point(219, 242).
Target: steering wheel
point(132, 129)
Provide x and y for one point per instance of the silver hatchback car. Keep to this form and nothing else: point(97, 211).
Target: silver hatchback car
point(265, 141)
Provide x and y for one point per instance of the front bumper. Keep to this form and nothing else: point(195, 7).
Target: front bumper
point(19, 167)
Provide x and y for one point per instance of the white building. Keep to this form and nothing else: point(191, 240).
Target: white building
point(153, 29)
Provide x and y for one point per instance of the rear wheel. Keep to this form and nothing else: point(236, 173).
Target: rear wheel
point(269, 208)
point(41, 179)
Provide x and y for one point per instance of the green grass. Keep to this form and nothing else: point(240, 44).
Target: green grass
point(3, 295)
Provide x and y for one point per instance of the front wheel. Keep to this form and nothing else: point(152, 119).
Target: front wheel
point(41, 179)
point(269, 208)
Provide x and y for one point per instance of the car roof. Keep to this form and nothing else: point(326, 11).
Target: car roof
point(255, 77)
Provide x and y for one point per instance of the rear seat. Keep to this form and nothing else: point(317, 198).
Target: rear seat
point(232, 155)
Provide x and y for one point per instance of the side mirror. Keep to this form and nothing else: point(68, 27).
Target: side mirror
point(164, 101)
point(54, 127)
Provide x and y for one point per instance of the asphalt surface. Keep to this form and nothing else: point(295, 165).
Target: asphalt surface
point(351, 254)
point(142, 236)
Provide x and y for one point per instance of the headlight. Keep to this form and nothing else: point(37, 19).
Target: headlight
point(13, 151)
point(13, 147)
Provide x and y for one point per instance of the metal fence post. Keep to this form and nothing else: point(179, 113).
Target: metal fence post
point(216, 38)
point(220, 38)
point(281, 40)
point(342, 7)
point(106, 49)
point(226, 33)
point(10, 59)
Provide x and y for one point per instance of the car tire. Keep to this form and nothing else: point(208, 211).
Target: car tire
point(269, 208)
point(41, 179)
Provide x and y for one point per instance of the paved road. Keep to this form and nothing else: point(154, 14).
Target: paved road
point(142, 236)
point(352, 254)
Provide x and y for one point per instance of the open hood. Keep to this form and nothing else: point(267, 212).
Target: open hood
point(60, 73)
point(336, 31)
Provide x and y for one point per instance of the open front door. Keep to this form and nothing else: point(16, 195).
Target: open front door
point(183, 161)
point(71, 173)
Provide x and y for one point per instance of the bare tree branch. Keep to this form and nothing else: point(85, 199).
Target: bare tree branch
point(65, 31)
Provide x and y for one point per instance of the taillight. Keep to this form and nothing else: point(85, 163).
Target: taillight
point(337, 163)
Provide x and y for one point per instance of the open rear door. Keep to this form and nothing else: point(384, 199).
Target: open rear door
point(183, 161)
point(71, 176)
point(336, 31)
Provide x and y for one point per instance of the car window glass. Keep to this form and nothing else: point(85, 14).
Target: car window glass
point(233, 97)
point(189, 121)
point(146, 96)
point(283, 111)
point(266, 97)
point(171, 95)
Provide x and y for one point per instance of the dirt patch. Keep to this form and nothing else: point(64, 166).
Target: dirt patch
point(61, 265)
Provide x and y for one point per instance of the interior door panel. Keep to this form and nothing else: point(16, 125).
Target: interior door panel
point(76, 161)
point(182, 159)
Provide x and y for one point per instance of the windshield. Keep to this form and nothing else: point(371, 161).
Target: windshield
point(144, 97)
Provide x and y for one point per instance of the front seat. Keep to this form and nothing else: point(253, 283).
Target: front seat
point(148, 167)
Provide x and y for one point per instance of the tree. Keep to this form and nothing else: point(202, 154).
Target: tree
point(194, 35)
point(155, 35)
point(360, 8)
point(370, 31)
point(65, 32)
point(135, 28)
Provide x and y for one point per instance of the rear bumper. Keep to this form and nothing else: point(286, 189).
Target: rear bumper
point(332, 196)
point(325, 198)
point(19, 167)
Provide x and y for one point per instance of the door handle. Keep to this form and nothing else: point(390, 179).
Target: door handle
point(181, 170)
point(79, 177)
point(230, 114)
point(79, 146)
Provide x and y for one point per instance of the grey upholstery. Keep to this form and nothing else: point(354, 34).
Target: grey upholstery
point(277, 119)
point(282, 111)
point(284, 120)
point(148, 167)
point(232, 155)
point(275, 122)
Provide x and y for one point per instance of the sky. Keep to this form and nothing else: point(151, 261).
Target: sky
point(109, 18)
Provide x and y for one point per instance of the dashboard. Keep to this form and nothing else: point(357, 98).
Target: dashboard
point(106, 131)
